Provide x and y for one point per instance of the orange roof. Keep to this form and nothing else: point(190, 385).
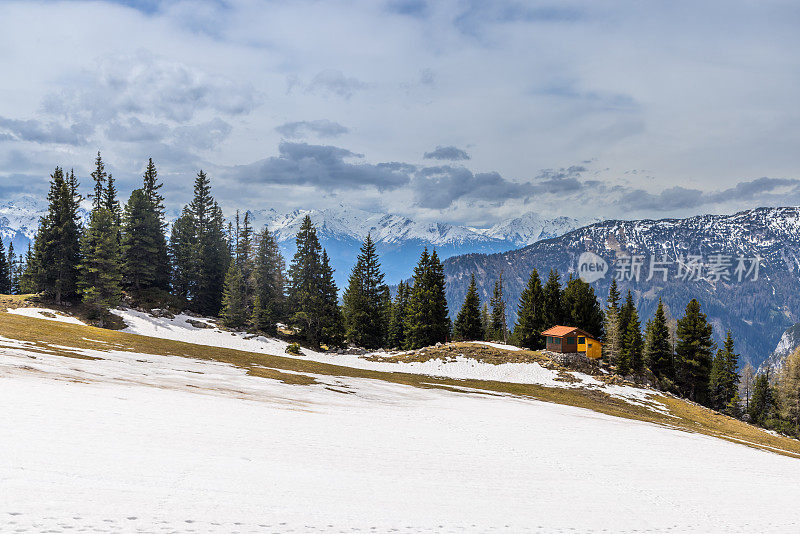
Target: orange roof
point(561, 331)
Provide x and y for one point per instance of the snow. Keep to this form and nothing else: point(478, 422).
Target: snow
point(496, 345)
point(146, 443)
point(44, 313)
point(459, 368)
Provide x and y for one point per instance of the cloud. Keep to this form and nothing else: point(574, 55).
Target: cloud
point(321, 128)
point(144, 83)
point(37, 131)
point(334, 82)
point(324, 167)
point(447, 153)
point(682, 198)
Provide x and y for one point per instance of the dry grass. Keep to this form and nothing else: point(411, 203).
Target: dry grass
point(684, 416)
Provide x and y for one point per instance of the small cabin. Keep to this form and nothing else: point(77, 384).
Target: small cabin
point(566, 339)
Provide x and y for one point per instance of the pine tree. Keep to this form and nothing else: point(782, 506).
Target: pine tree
point(182, 244)
point(612, 346)
point(5, 271)
point(143, 244)
point(210, 256)
point(762, 404)
point(723, 379)
point(397, 326)
point(111, 203)
point(530, 314)
point(486, 322)
point(426, 321)
point(468, 322)
point(693, 353)
point(160, 258)
point(150, 187)
point(581, 307)
point(99, 176)
point(658, 351)
point(553, 303)
point(333, 330)
point(631, 360)
point(100, 271)
point(234, 312)
point(312, 291)
point(52, 267)
point(13, 269)
point(499, 326)
point(269, 280)
point(364, 306)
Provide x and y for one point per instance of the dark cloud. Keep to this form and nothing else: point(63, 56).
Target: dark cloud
point(334, 82)
point(439, 187)
point(681, 198)
point(321, 128)
point(37, 131)
point(450, 153)
point(324, 167)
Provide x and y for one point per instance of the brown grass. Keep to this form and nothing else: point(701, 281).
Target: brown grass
point(684, 415)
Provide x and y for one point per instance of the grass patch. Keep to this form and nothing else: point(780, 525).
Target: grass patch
point(683, 415)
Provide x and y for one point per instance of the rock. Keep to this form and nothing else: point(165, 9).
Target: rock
point(198, 324)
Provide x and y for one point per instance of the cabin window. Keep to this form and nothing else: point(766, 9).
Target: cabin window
point(557, 340)
point(581, 340)
point(570, 341)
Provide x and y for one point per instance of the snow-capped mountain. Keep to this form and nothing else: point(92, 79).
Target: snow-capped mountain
point(757, 311)
point(342, 229)
point(532, 227)
point(399, 239)
point(789, 341)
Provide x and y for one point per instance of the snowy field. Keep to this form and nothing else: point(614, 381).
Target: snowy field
point(180, 329)
point(146, 443)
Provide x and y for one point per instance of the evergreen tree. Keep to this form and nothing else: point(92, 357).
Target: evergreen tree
point(468, 322)
point(530, 314)
point(5, 271)
point(499, 326)
point(693, 353)
point(625, 313)
point(111, 203)
point(581, 307)
point(269, 280)
point(364, 305)
point(486, 322)
point(13, 268)
point(631, 360)
point(210, 254)
point(397, 324)
point(427, 322)
point(762, 404)
point(143, 244)
point(182, 243)
point(333, 330)
point(160, 258)
point(99, 176)
point(657, 349)
point(313, 295)
point(52, 267)
point(234, 312)
point(723, 379)
point(612, 346)
point(789, 390)
point(150, 187)
point(553, 303)
point(100, 271)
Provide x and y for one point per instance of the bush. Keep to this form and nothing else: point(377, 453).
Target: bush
point(294, 348)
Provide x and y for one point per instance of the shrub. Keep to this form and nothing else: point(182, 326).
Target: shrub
point(294, 348)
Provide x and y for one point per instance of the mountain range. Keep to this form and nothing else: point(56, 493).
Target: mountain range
point(757, 309)
point(342, 229)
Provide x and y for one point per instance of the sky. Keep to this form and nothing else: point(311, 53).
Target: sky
point(468, 112)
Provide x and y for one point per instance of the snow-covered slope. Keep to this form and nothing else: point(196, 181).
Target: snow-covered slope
point(532, 227)
point(120, 441)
